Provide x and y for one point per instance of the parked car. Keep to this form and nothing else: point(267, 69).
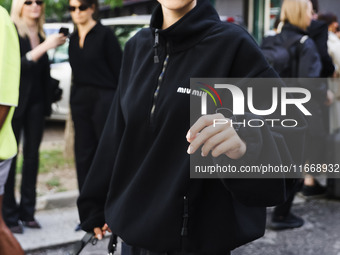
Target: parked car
point(123, 27)
point(60, 70)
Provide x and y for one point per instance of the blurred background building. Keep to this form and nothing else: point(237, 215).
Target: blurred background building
point(257, 16)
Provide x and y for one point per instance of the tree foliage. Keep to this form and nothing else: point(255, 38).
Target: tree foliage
point(114, 3)
point(6, 4)
point(57, 9)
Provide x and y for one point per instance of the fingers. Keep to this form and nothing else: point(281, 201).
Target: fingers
point(61, 39)
point(219, 137)
point(106, 228)
point(55, 40)
point(211, 143)
point(201, 123)
point(234, 148)
point(204, 131)
point(98, 233)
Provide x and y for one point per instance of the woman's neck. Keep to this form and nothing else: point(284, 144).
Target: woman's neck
point(32, 25)
point(84, 28)
point(170, 16)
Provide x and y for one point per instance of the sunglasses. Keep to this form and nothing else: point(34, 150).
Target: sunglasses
point(38, 2)
point(82, 7)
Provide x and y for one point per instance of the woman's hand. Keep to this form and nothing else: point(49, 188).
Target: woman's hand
point(55, 40)
point(217, 138)
point(329, 98)
point(51, 42)
point(100, 232)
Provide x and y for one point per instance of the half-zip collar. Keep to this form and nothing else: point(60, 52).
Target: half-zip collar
point(189, 30)
point(93, 29)
point(155, 46)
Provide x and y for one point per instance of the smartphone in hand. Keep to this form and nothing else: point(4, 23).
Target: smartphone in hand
point(64, 30)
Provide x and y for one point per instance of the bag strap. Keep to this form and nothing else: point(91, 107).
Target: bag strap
point(112, 247)
point(79, 246)
point(294, 56)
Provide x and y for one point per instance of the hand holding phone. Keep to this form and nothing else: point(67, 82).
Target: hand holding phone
point(64, 30)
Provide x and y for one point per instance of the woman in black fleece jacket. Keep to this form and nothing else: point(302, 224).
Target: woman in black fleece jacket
point(139, 182)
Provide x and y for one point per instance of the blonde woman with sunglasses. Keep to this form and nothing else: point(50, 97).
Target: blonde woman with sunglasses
point(34, 105)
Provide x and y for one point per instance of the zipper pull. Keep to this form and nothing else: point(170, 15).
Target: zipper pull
point(155, 46)
point(184, 231)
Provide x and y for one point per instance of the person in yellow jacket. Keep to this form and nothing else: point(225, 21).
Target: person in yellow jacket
point(9, 94)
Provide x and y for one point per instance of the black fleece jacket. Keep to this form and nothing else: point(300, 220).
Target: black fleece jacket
point(141, 168)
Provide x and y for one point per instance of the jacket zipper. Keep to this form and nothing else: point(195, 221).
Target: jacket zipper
point(160, 77)
point(184, 231)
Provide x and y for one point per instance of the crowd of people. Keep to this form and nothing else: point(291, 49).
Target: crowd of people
point(132, 151)
point(305, 36)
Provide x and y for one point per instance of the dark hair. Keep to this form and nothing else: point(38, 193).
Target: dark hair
point(91, 3)
point(315, 4)
point(328, 17)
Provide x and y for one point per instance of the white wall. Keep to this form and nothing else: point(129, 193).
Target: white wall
point(329, 5)
point(230, 7)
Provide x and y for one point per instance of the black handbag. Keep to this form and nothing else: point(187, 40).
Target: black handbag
point(56, 91)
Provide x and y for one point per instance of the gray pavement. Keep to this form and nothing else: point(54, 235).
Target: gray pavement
point(319, 235)
point(57, 229)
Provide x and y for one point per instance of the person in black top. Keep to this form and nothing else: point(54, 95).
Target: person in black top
point(34, 105)
point(95, 58)
point(297, 16)
point(139, 182)
point(318, 31)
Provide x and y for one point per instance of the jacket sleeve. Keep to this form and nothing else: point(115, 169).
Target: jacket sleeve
point(310, 67)
point(26, 64)
point(114, 54)
point(48, 92)
point(269, 144)
point(91, 201)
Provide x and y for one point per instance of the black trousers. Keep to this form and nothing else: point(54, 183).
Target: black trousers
point(130, 250)
point(284, 209)
point(31, 124)
point(89, 107)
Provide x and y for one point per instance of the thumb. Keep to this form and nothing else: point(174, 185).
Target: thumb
point(98, 233)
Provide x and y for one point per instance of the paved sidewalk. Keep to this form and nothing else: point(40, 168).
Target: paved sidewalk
point(319, 235)
point(57, 229)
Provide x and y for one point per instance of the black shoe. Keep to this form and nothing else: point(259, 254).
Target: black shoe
point(16, 229)
point(315, 190)
point(78, 227)
point(31, 224)
point(290, 221)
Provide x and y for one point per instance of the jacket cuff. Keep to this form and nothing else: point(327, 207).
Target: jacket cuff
point(253, 139)
point(89, 224)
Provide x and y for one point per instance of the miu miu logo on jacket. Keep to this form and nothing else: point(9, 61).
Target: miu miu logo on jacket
point(189, 91)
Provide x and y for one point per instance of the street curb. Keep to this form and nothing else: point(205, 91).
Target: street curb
point(58, 200)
